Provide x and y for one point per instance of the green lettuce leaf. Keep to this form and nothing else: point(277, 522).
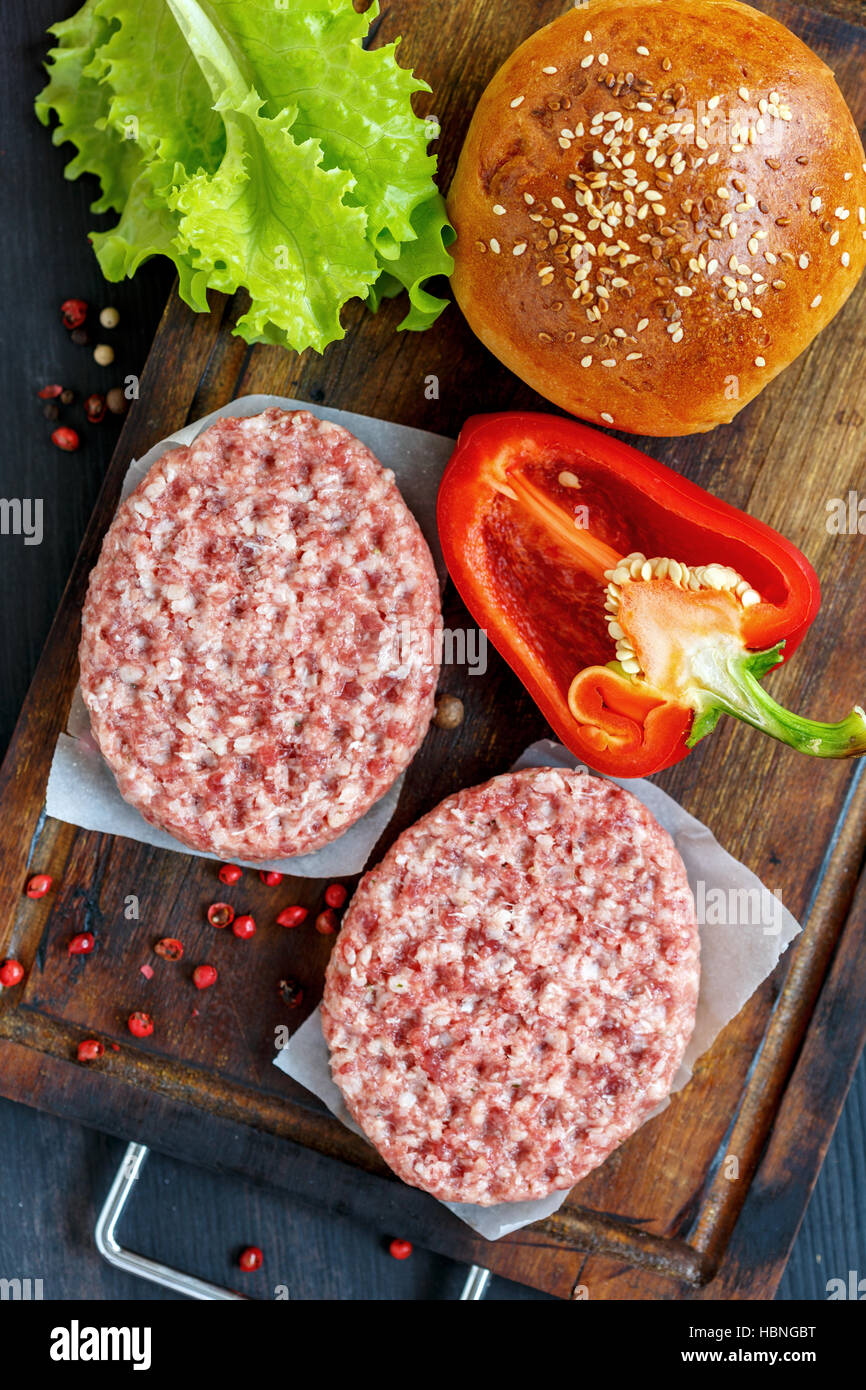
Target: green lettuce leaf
point(148, 227)
point(81, 105)
point(417, 262)
point(355, 102)
point(257, 144)
point(153, 57)
point(300, 252)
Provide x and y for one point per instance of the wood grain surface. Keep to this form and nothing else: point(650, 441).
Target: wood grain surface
point(660, 1219)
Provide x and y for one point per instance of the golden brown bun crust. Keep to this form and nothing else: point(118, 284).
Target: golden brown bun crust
point(784, 196)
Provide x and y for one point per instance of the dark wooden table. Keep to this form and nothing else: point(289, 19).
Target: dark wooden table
point(53, 1175)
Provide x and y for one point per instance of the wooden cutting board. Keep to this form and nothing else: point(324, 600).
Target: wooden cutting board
point(664, 1217)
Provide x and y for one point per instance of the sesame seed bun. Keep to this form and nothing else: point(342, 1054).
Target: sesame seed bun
point(658, 205)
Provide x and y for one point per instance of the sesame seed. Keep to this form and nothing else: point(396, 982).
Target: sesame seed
point(608, 361)
point(861, 216)
point(587, 61)
point(587, 38)
point(498, 209)
point(842, 214)
point(519, 249)
point(633, 356)
point(684, 291)
point(586, 361)
point(602, 58)
point(643, 50)
point(847, 176)
point(815, 302)
point(759, 362)
point(549, 71)
point(744, 93)
point(803, 261)
point(516, 102)
point(846, 259)
point(815, 204)
point(607, 418)
point(834, 238)
point(713, 103)
point(644, 106)
point(753, 245)
point(494, 245)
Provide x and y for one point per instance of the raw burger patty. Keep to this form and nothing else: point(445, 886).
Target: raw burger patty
point(240, 653)
point(514, 986)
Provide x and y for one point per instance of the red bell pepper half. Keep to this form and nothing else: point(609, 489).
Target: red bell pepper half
point(635, 607)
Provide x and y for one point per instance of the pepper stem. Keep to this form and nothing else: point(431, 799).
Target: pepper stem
point(729, 683)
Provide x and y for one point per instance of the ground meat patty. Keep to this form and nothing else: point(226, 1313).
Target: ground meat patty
point(259, 649)
point(514, 986)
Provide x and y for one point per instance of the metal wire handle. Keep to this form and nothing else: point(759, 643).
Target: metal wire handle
point(142, 1267)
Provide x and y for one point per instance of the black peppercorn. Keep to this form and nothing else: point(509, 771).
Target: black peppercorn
point(291, 993)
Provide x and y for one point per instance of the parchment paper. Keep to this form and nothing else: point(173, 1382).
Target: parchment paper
point(736, 955)
point(81, 787)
